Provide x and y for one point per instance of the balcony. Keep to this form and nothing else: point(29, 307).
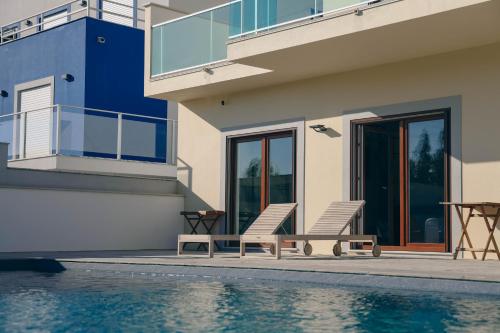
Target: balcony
point(79, 139)
point(107, 10)
point(247, 44)
point(201, 39)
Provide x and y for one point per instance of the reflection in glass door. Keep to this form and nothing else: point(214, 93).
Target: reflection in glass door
point(248, 183)
point(261, 172)
point(426, 181)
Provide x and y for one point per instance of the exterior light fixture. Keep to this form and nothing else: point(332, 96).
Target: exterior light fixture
point(83, 3)
point(68, 77)
point(319, 128)
point(3, 93)
point(358, 12)
point(29, 23)
point(101, 40)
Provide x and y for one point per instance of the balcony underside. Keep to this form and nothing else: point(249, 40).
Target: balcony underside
point(389, 33)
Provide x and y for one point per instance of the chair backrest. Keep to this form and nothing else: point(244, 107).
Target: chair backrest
point(271, 219)
point(336, 218)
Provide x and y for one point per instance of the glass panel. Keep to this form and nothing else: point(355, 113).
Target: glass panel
point(72, 132)
point(292, 10)
point(220, 33)
point(381, 182)
point(101, 134)
point(247, 189)
point(194, 40)
point(7, 132)
point(281, 174)
point(156, 51)
point(426, 152)
point(144, 139)
point(331, 5)
point(248, 15)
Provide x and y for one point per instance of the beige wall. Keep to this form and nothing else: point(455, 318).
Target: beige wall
point(473, 74)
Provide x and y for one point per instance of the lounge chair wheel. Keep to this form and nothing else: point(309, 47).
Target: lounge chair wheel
point(376, 251)
point(272, 249)
point(308, 249)
point(337, 250)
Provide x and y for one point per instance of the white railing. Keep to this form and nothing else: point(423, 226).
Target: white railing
point(69, 12)
point(87, 132)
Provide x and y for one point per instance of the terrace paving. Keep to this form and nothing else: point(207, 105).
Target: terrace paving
point(406, 265)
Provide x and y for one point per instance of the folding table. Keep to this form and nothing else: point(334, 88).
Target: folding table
point(487, 211)
point(208, 219)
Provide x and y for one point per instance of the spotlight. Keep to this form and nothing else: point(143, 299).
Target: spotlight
point(319, 128)
point(68, 77)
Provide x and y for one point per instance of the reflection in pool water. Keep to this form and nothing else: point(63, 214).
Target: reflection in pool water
point(109, 301)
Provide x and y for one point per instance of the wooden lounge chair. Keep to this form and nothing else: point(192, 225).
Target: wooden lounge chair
point(330, 226)
point(268, 222)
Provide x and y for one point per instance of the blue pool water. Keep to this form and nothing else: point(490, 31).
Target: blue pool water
point(95, 301)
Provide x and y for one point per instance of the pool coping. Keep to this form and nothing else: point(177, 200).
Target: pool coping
point(310, 277)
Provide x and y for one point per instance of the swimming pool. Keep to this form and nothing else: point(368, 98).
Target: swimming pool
point(84, 300)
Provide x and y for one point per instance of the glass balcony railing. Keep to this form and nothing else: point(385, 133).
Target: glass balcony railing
point(201, 39)
point(84, 132)
point(193, 40)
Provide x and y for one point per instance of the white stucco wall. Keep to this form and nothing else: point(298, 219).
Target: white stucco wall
point(62, 220)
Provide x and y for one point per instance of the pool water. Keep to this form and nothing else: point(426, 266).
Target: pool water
point(95, 301)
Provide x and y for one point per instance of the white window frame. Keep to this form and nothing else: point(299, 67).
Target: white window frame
point(18, 88)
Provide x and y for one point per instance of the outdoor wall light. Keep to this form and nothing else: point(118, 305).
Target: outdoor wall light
point(101, 40)
point(29, 23)
point(83, 3)
point(358, 12)
point(319, 128)
point(68, 77)
point(3, 93)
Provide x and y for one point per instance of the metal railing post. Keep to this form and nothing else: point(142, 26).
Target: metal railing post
point(119, 139)
point(58, 129)
point(135, 13)
point(174, 142)
point(51, 131)
point(168, 144)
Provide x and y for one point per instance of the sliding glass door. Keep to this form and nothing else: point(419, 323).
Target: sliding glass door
point(400, 170)
point(261, 171)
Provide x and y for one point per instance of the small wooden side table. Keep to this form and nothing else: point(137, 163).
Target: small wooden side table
point(488, 211)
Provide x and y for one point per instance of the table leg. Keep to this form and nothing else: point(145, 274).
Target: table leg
point(491, 235)
point(210, 228)
point(464, 232)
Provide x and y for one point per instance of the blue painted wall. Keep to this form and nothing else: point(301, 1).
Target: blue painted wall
point(50, 53)
point(115, 70)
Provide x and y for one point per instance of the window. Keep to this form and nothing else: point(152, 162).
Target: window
point(54, 19)
point(9, 33)
point(119, 11)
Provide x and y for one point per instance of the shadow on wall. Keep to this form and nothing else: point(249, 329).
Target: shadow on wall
point(192, 200)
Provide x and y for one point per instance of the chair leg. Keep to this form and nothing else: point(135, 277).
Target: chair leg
point(278, 247)
point(242, 249)
point(211, 248)
point(180, 248)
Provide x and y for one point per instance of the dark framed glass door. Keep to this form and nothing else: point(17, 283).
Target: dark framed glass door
point(261, 171)
point(400, 168)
